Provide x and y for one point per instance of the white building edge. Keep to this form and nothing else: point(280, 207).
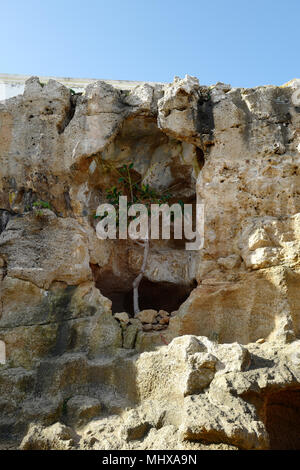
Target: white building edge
point(13, 85)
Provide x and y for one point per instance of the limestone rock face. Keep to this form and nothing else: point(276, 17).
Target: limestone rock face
point(178, 109)
point(235, 423)
point(248, 185)
point(81, 409)
point(182, 390)
point(212, 359)
point(36, 247)
point(56, 436)
point(63, 319)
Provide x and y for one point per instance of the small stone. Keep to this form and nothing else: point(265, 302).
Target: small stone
point(147, 316)
point(158, 327)
point(135, 321)
point(260, 341)
point(147, 327)
point(122, 317)
point(164, 321)
point(173, 314)
point(163, 314)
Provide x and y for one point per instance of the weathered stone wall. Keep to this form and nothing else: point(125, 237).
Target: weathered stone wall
point(68, 358)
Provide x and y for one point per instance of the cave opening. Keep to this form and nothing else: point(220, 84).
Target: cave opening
point(169, 167)
point(152, 295)
point(283, 419)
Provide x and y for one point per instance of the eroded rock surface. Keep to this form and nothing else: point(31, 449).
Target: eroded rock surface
point(219, 328)
point(192, 392)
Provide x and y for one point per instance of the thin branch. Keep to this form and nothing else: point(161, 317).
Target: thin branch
point(138, 279)
point(130, 184)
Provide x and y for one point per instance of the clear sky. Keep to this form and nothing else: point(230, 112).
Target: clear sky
point(244, 43)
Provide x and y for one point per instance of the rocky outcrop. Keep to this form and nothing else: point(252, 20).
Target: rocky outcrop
point(193, 390)
point(219, 327)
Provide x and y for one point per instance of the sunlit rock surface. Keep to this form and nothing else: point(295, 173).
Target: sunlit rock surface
point(223, 336)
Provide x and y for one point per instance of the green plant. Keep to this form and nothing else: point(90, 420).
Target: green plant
point(42, 204)
point(130, 185)
point(38, 206)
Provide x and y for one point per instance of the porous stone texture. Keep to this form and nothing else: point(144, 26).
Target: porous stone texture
point(190, 394)
point(212, 359)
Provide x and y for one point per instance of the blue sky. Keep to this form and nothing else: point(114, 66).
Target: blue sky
point(244, 43)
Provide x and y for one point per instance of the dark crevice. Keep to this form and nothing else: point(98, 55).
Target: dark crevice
point(162, 295)
point(4, 219)
point(152, 295)
point(283, 420)
point(200, 158)
point(205, 117)
point(69, 115)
